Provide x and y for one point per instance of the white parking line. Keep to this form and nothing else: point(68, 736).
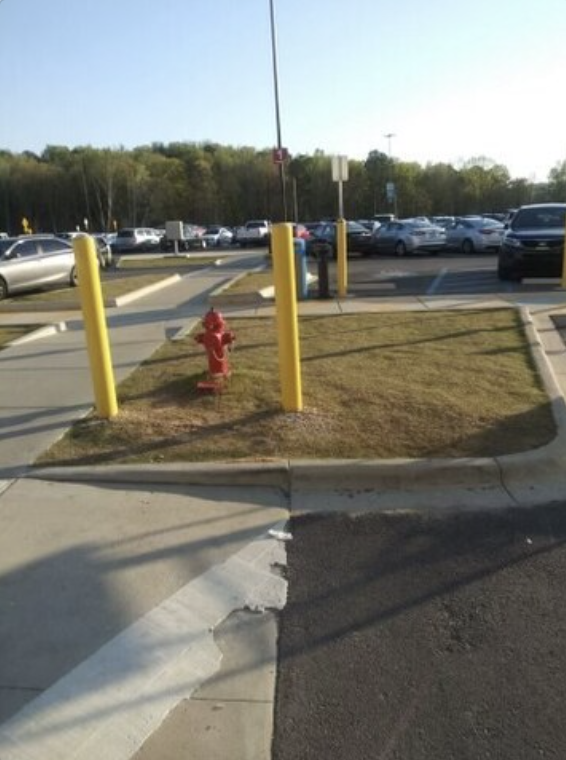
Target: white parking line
point(113, 701)
point(436, 282)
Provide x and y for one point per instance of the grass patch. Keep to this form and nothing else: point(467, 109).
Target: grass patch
point(13, 332)
point(252, 283)
point(169, 262)
point(112, 286)
point(439, 384)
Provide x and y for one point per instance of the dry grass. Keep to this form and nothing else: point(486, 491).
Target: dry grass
point(252, 283)
point(112, 286)
point(167, 262)
point(440, 384)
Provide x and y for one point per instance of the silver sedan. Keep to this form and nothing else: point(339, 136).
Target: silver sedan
point(404, 236)
point(34, 262)
point(474, 234)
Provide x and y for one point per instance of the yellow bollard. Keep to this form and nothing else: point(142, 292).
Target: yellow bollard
point(342, 258)
point(95, 326)
point(287, 319)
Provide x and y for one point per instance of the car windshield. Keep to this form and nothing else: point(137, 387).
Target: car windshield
point(125, 233)
point(539, 218)
point(212, 230)
point(5, 245)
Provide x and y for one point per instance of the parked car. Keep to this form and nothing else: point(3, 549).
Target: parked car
point(369, 224)
point(509, 214)
point(533, 244)
point(358, 237)
point(443, 221)
point(254, 232)
point(216, 236)
point(312, 226)
point(383, 218)
point(130, 239)
point(404, 236)
point(103, 247)
point(471, 234)
point(35, 261)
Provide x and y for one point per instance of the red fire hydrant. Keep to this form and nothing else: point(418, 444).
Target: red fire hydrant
point(217, 341)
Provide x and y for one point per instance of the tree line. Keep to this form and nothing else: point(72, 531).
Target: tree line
point(103, 189)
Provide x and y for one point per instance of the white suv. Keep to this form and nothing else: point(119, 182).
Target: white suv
point(136, 239)
point(256, 232)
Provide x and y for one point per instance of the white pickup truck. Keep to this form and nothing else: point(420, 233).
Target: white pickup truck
point(255, 232)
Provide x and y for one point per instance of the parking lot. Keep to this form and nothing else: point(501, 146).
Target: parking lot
point(446, 275)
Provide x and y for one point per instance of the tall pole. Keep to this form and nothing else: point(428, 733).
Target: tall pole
point(277, 116)
point(390, 135)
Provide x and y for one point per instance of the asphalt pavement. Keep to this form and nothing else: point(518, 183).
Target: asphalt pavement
point(122, 588)
point(413, 636)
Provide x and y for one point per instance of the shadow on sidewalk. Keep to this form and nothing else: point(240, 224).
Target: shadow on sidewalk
point(58, 610)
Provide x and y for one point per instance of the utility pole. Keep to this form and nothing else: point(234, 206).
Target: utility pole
point(277, 115)
point(389, 136)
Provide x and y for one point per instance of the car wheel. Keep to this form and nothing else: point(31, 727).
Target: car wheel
point(3, 289)
point(468, 247)
point(505, 274)
point(74, 280)
point(400, 248)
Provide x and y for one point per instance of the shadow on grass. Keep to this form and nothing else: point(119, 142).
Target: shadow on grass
point(260, 435)
point(525, 431)
point(132, 450)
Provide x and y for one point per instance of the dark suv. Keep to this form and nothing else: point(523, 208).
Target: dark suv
point(533, 245)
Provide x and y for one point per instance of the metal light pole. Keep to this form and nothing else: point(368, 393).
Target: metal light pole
point(277, 116)
point(390, 135)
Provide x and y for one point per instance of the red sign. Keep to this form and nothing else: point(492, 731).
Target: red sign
point(280, 155)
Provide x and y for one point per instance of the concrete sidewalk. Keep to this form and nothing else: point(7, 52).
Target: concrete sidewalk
point(102, 569)
point(119, 602)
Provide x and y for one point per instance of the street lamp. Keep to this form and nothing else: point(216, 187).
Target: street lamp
point(280, 152)
point(389, 136)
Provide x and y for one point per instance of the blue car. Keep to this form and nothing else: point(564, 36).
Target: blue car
point(533, 244)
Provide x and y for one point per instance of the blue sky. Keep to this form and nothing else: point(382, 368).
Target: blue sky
point(451, 79)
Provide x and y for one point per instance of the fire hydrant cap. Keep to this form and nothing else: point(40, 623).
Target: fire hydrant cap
point(213, 320)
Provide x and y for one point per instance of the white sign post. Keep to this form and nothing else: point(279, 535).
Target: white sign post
point(340, 175)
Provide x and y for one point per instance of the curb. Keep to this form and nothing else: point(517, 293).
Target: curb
point(219, 296)
point(271, 474)
point(129, 297)
point(305, 475)
point(41, 332)
point(47, 306)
